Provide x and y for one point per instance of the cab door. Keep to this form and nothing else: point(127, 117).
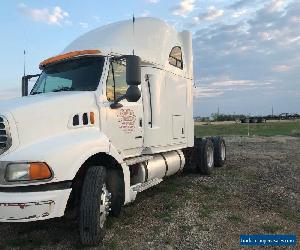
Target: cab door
point(124, 125)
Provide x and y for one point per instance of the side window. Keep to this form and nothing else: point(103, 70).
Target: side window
point(116, 85)
point(175, 57)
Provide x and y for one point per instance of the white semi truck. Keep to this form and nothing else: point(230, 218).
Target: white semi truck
point(109, 117)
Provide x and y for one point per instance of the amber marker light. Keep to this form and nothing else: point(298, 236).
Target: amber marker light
point(39, 171)
point(68, 55)
point(92, 118)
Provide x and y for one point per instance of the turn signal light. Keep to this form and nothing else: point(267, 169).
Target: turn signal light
point(39, 171)
point(92, 118)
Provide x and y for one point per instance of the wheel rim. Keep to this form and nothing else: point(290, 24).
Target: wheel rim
point(223, 151)
point(104, 205)
point(210, 157)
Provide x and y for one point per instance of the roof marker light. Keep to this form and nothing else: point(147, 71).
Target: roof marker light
point(68, 56)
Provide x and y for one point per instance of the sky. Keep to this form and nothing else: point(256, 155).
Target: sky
point(246, 52)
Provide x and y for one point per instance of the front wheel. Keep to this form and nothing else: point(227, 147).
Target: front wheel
point(94, 206)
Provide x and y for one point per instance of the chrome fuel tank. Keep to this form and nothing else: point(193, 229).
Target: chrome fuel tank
point(162, 165)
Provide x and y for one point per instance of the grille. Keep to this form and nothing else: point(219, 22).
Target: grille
point(5, 139)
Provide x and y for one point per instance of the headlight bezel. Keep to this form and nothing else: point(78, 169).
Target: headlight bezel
point(13, 168)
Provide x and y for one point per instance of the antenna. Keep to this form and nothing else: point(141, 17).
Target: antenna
point(133, 24)
point(24, 62)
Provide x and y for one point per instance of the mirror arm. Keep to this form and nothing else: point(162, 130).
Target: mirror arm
point(116, 104)
point(25, 80)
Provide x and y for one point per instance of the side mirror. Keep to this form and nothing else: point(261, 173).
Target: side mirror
point(133, 70)
point(25, 80)
point(133, 79)
point(133, 94)
point(25, 86)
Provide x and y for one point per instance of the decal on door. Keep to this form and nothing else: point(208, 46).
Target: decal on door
point(126, 120)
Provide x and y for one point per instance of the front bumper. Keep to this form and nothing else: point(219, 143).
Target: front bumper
point(32, 206)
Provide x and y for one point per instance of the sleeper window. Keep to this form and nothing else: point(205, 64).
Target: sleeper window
point(175, 57)
point(117, 71)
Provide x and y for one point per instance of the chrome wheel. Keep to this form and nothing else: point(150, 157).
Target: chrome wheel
point(210, 157)
point(223, 151)
point(104, 205)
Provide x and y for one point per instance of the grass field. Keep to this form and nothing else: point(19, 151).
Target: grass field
point(256, 192)
point(291, 128)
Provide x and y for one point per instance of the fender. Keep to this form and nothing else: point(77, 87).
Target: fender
point(74, 144)
point(77, 146)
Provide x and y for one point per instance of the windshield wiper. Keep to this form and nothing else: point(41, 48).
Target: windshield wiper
point(36, 93)
point(63, 89)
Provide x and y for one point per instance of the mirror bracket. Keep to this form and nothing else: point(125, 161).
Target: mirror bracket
point(116, 105)
point(25, 80)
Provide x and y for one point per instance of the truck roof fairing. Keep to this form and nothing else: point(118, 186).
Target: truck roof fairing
point(152, 40)
point(68, 55)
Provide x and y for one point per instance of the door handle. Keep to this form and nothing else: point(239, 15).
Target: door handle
point(141, 122)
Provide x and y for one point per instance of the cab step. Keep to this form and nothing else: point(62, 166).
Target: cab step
point(139, 159)
point(140, 187)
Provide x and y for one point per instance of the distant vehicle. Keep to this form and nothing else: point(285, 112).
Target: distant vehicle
point(261, 120)
point(100, 125)
point(245, 120)
point(253, 120)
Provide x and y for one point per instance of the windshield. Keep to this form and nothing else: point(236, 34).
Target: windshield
point(79, 74)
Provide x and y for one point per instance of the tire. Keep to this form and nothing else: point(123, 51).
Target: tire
point(205, 156)
point(219, 151)
point(115, 185)
point(94, 206)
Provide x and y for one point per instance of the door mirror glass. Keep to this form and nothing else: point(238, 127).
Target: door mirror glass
point(133, 93)
point(133, 70)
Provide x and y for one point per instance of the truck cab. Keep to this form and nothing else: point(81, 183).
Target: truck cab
point(109, 117)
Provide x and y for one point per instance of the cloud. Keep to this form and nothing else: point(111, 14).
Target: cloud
point(97, 19)
point(276, 5)
point(250, 62)
point(244, 3)
point(211, 14)
point(55, 17)
point(153, 1)
point(282, 68)
point(10, 93)
point(145, 13)
point(206, 92)
point(239, 13)
point(183, 8)
point(83, 25)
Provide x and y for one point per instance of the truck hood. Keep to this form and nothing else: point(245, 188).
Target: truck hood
point(30, 101)
point(44, 115)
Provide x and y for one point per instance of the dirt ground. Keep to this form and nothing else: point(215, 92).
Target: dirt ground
point(257, 192)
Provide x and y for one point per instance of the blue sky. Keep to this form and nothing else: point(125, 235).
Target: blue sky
point(246, 51)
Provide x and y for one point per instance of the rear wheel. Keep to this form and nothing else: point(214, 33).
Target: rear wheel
point(219, 151)
point(94, 206)
point(205, 156)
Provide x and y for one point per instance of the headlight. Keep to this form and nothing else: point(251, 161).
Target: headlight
point(27, 172)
